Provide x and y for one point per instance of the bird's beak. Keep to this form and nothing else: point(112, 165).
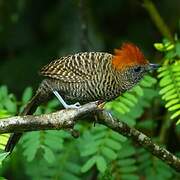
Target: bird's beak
point(153, 66)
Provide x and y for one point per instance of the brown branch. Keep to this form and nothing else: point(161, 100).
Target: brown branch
point(66, 119)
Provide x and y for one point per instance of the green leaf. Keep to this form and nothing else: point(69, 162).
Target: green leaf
point(130, 177)
point(27, 94)
point(173, 96)
point(131, 97)
point(89, 164)
point(30, 152)
point(3, 92)
point(170, 103)
point(150, 79)
point(118, 136)
point(109, 153)
point(2, 178)
point(3, 156)
point(167, 88)
point(126, 162)
point(123, 107)
point(177, 106)
point(89, 151)
point(178, 48)
point(176, 67)
point(101, 164)
point(138, 90)
point(170, 47)
point(4, 113)
point(48, 154)
point(169, 93)
point(159, 46)
point(145, 83)
point(163, 68)
point(99, 135)
point(10, 106)
point(163, 74)
point(178, 122)
point(3, 140)
point(117, 108)
point(126, 152)
point(176, 114)
point(113, 144)
point(165, 81)
point(128, 169)
point(126, 101)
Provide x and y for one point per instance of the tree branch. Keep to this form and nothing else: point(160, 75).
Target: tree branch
point(66, 119)
point(63, 119)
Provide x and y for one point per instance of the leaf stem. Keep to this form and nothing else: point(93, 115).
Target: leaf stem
point(157, 19)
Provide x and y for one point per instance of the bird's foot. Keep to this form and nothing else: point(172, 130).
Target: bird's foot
point(101, 106)
point(73, 106)
point(66, 106)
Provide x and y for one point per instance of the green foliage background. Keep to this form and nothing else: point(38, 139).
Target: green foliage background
point(35, 32)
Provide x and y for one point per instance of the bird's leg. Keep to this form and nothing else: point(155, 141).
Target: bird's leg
point(66, 106)
point(52, 86)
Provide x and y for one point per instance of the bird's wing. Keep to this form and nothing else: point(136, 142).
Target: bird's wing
point(75, 68)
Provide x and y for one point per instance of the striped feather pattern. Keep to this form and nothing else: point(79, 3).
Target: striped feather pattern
point(76, 68)
point(87, 76)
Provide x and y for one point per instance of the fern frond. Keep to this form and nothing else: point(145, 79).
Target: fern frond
point(100, 146)
point(124, 166)
point(66, 166)
point(169, 75)
point(45, 142)
point(151, 167)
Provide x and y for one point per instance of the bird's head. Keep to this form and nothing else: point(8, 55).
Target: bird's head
point(130, 62)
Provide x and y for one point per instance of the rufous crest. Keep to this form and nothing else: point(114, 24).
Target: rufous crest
point(128, 55)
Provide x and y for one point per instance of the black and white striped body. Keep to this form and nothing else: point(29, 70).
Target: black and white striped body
point(84, 77)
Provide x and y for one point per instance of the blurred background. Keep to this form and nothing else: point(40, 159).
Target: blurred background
point(32, 33)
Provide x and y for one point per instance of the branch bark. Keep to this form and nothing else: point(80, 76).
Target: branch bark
point(66, 119)
point(63, 119)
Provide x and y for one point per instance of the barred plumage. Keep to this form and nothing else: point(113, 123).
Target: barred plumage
point(83, 76)
point(77, 67)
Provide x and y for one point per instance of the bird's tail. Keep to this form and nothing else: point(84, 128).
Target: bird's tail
point(29, 109)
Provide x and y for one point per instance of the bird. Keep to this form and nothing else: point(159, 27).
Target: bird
point(86, 77)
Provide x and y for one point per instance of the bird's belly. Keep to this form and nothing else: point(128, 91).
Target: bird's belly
point(87, 92)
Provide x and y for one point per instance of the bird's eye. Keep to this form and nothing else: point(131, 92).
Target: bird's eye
point(137, 69)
